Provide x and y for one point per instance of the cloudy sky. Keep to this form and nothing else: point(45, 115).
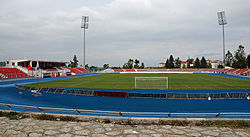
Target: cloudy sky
point(148, 30)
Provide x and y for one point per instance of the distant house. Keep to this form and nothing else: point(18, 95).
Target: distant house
point(216, 63)
point(184, 64)
point(161, 65)
point(209, 61)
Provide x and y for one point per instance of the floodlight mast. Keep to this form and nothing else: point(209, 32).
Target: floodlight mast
point(84, 25)
point(222, 21)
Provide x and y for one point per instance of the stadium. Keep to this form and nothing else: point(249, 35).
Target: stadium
point(51, 87)
point(177, 88)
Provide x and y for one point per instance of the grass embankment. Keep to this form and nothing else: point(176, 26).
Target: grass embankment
point(126, 81)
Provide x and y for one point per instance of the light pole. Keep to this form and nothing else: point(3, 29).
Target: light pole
point(222, 21)
point(85, 21)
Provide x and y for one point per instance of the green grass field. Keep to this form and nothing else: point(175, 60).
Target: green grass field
point(126, 81)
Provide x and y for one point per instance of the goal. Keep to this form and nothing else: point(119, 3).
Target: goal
point(151, 82)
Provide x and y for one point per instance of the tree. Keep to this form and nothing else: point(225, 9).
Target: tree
point(203, 63)
point(130, 63)
point(2, 63)
point(229, 59)
point(142, 65)
point(93, 68)
point(190, 61)
point(167, 64)
point(105, 66)
point(171, 61)
point(136, 63)
point(197, 63)
point(209, 65)
point(125, 66)
point(73, 63)
point(220, 66)
point(178, 63)
point(240, 60)
point(248, 61)
point(87, 66)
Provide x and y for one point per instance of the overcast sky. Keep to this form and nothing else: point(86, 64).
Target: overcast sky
point(148, 30)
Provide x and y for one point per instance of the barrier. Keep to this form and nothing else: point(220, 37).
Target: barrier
point(125, 114)
point(167, 95)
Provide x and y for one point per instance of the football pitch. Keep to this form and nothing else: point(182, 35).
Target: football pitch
point(127, 81)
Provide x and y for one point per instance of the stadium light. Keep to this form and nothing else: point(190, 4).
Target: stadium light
point(222, 21)
point(84, 25)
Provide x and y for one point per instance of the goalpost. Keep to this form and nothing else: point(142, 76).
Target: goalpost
point(151, 82)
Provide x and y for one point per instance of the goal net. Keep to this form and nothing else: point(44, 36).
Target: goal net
point(151, 82)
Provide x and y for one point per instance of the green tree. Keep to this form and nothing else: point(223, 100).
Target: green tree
point(209, 65)
point(190, 61)
point(130, 63)
point(229, 59)
point(248, 61)
point(240, 60)
point(74, 63)
point(87, 66)
point(171, 61)
point(125, 66)
point(167, 64)
point(142, 65)
point(105, 66)
point(220, 66)
point(2, 63)
point(203, 62)
point(178, 63)
point(197, 63)
point(136, 63)
point(93, 68)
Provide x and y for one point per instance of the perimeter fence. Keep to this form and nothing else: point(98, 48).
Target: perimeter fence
point(13, 107)
point(167, 95)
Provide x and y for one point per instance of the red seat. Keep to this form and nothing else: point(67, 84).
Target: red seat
point(240, 71)
point(232, 70)
point(82, 70)
point(13, 73)
point(118, 70)
point(224, 70)
point(130, 70)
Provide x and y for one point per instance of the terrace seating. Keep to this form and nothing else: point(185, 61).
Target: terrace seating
point(82, 70)
point(74, 70)
point(118, 70)
point(130, 70)
point(59, 68)
point(210, 70)
point(224, 70)
point(248, 72)
point(241, 71)
point(12, 73)
point(232, 70)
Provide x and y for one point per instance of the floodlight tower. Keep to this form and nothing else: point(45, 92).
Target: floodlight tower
point(85, 24)
point(222, 21)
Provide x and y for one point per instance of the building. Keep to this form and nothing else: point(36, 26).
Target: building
point(216, 63)
point(38, 68)
point(162, 65)
point(184, 64)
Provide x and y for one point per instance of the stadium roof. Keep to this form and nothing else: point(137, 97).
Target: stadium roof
point(24, 60)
